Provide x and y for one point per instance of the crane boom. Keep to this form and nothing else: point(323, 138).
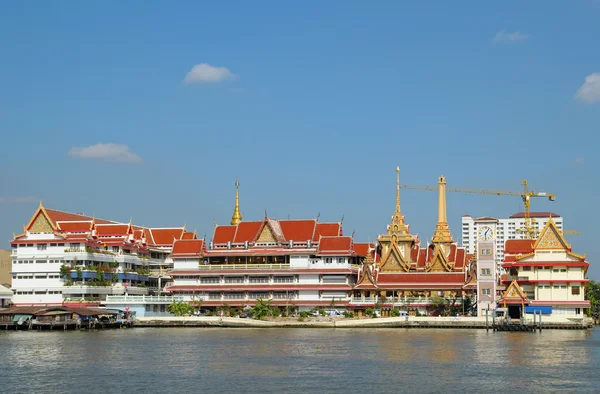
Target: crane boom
point(528, 225)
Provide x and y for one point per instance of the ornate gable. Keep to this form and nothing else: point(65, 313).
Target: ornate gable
point(551, 238)
point(366, 276)
point(266, 235)
point(394, 261)
point(439, 262)
point(514, 292)
point(40, 222)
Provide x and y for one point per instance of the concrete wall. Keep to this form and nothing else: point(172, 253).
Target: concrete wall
point(5, 267)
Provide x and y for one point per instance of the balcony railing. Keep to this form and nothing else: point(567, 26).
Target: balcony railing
point(400, 301)
point(217, 267)
point(146, 299)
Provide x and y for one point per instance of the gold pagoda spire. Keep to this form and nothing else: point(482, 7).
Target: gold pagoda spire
point(442, 231)
point(237, 215)
point(398, 227)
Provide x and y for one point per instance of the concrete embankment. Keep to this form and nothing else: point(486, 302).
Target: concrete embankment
point(400, 322)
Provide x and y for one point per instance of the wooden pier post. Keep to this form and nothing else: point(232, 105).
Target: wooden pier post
point(486, 320)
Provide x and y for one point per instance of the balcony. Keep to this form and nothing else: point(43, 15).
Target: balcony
point(219, 267)
point(144, 299)
point(398, 301)
point(81, 288)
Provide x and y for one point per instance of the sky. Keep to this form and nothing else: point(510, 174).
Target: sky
point(150, 110)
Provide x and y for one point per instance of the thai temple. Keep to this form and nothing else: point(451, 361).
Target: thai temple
point(63, 257)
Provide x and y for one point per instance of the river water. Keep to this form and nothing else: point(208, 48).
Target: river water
point(227, 360)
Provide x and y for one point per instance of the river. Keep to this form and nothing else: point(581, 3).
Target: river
point(226, 360)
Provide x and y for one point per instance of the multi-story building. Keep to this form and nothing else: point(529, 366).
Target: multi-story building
point(302, 263)
point(501, 230)
point(545, 275)
point(72, 257)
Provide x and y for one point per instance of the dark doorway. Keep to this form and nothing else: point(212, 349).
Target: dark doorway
point(514, 311)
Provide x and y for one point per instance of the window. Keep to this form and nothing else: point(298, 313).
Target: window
point(328, 260)
point(485, 292)
point(234, 279)
point(485, 271)
point(575, 290)
point(283, 279)
point(42, 246)
point(526, 268)
point(215, 279)
point(258, 279)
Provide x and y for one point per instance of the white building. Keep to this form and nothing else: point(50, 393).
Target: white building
point(501, 230)
point(65, 257)
point(5, 296)
point(544, 276)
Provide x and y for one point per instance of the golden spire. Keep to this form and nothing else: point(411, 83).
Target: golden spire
point(442, 231)
point(398, 227)
point(237, 215)
point(397, 189)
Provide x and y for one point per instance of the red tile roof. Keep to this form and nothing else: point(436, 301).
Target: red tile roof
point(298, 230)
point(521, 215)
point(165, 236)
point(246, 231)
point(364, 249)
point(339, 246)
point(57, 216)
point(75, 226)
point(188, 247)
point(103, 230)
point(327, 230)
point(518, 246)
point(224, 234)
point(189, 235)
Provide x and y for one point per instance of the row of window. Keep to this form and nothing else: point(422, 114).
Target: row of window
point(38, 292)
point(37, 261)
point(37, 276)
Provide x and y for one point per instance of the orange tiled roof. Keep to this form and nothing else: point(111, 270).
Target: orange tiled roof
point(103, 230)
point(327, 230)
point(298, 230)
point(246, 231)
point(335, 245)
point(188, 247)
point(60, 216)
point(224, 234)
point(363, 249)
point(80, 226)
point(518, 246)
point(165, 236)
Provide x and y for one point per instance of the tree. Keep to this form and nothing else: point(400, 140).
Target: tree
point(180, 308)
point(592, 293)
point(262, 309)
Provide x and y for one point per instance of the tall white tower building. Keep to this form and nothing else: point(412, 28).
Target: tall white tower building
point(501, 230)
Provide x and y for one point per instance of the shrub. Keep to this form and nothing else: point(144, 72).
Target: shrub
point(304, 314)
point(275, 311)
point(395, 312)
point(369, 311)
point(348, 314)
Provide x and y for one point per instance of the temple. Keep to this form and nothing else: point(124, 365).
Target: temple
point(544, 276)
point(403, 273)
point(65, 257)
point(295, 263)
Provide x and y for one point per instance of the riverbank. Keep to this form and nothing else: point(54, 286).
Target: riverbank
point(386, 322)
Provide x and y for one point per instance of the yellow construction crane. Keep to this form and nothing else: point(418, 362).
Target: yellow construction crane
point(528, 223)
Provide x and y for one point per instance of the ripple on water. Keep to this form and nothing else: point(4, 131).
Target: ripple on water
point(298, 360)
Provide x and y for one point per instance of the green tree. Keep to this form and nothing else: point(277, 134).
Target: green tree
point(592, 293)
point(180, 308)
point(262, 309)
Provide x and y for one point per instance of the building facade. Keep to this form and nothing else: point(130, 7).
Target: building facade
point(502, 230)
point(62, 257)
point(545, 275)
point(487, 277)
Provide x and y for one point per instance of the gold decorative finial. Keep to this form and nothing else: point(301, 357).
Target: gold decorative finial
point(398, 189)
point(41, 204)
point(237, 215)
point(442, 231)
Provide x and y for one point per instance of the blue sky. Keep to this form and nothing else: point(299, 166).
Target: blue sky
point(311, 104)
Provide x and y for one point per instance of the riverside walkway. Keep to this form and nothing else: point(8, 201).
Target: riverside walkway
point(384, 322)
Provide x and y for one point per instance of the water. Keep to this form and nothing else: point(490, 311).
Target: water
point(218, 360)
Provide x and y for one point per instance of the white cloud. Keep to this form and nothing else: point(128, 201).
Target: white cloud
point(18, 200)
point(205, 73)
point(502, 36)
point(589, 92)
point(580, 160)
point(106, 152)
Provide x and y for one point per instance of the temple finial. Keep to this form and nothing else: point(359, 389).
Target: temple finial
point(237, 215)
point(398, 189)
point(442, 231)
point(41, 206)
point(266, 216)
